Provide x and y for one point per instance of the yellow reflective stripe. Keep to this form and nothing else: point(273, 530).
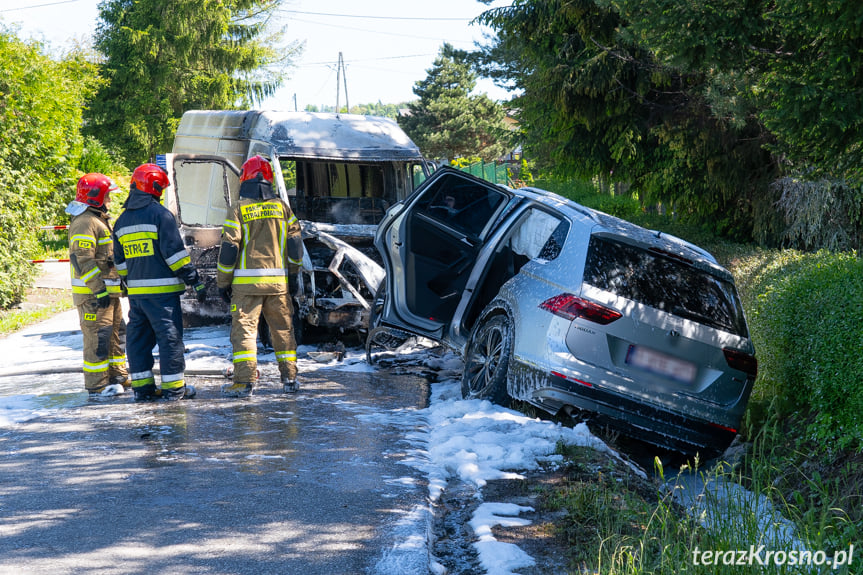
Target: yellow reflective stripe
point(231, 224)
point(245, 356)
point(286, 355)
point(156, 289)
point(117, 359)
point(260, 272)
point(283, 238)
point(180, 263)
point(95, 367)
point(224, 269)
point(292, 219)
point(105, 241)
point(81, 289)
point(84, 237)
point(173, 384)
point(112, 288)
point(144, 381)
point(91, 274)
point(260, 280)
point(131, 237)
point(293, 261)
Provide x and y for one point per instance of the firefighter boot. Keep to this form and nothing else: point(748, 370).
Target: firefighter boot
point(290, 385)
point(120, 380)
point(237, 389)
point(147, 392)
point(178, 393)
point(107, 391)
point(289, 377)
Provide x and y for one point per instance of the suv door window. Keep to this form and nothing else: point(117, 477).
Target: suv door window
point(460, 203)
point(445, 230)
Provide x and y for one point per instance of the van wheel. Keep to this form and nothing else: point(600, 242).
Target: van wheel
point(487, 361)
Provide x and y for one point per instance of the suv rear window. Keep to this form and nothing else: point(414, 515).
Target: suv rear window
point(658, 281)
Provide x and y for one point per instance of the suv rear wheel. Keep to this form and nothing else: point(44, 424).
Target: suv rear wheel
point(487, 361)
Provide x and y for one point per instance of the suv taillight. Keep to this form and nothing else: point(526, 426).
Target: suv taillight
point(570, 307)
point(743, 361)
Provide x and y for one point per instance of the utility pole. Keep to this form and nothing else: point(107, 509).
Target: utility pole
point(341, 75)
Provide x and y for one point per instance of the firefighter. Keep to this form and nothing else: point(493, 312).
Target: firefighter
point(151, 257)
point(96, 287)
point(261, 249)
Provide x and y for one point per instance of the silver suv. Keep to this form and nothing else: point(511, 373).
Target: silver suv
point(568, 309)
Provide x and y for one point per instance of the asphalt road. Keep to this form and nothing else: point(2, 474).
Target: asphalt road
point(308, 483)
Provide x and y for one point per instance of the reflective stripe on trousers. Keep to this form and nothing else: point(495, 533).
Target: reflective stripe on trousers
point(104, 332)
point(246, 310)
point(156, 320)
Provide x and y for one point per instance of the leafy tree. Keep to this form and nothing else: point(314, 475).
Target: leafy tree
point(379, 109)
point(163, 58)
point(447, 121)
point(41, 100)
point(795, 65)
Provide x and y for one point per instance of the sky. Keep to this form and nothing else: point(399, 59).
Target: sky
point(386, 45)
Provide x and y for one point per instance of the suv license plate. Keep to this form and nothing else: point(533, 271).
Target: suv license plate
point(662, 364)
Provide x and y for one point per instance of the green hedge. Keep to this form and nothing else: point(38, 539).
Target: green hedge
point(805, 313)
point(41, 100)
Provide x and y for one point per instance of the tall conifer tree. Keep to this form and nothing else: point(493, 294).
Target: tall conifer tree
point(163, 58)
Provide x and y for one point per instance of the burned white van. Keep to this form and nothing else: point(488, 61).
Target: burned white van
point(339, 173)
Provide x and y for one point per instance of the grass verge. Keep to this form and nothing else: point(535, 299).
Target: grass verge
point(691, 520)
point(39, 304)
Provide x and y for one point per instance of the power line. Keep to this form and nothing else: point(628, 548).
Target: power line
point(39, 5)
point(378, 32)
point(423, 18)
point(355, 61)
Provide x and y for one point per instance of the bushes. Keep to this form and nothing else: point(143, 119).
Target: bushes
point(806, 317)
point(40, 109)
point(587, 194)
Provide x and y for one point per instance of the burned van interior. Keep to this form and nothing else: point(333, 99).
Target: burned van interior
point(346, 193)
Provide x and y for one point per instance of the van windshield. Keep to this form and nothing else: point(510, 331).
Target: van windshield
point(656, 280)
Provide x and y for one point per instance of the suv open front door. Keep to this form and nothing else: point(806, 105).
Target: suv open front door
point(430, 248)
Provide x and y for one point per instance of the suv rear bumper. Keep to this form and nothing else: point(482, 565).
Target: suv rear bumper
point(644, 422)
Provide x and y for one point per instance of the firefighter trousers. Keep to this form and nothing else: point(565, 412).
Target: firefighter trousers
point(104, 331)
point(278, 310)
point(156, 320)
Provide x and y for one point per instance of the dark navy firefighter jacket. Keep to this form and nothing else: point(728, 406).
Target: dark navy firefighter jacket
point(148, 250)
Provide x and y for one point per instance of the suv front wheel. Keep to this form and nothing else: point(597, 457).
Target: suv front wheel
point(487, 361)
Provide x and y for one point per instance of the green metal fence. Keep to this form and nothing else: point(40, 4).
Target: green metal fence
point(491, 172)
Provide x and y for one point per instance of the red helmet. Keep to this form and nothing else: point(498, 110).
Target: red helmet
point(151, 179)
point(257, 165)
point(92, 189)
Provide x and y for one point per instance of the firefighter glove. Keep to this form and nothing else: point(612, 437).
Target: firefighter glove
point(103, 300)
point(226, 294)
point(200, 291)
